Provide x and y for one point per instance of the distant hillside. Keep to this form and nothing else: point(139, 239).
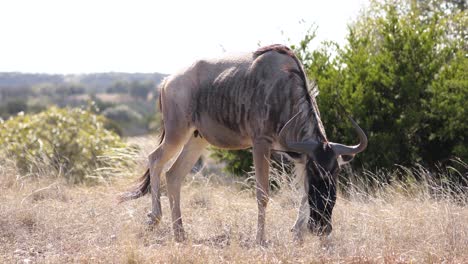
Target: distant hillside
point(94, 81)
point(127, 99)
point(16, 79)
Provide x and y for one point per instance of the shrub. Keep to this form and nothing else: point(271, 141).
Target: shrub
point(238, 162)
point(402, 76)
point(122, 113)
point(119, 87)
point(15, 106)
point(71, 141)
point(141, 89)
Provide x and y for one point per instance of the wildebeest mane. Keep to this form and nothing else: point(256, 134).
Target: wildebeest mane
point(287, 51)
point(309, 94)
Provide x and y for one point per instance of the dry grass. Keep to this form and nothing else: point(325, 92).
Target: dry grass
point(47, 221)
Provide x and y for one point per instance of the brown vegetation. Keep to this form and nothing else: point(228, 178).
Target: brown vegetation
point(47, 221)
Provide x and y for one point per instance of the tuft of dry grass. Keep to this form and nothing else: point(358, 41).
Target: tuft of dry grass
point(48, 221)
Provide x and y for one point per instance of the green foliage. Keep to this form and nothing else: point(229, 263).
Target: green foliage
point(12, 107)
point(33, 93)
point(75, 88)
point(71, 141)
point(58, 91)
point(403, 76)
point(238, 162)
point(122, 113)
point(127, 118)
point(447, 115)
point(141, 89)
point(119, 87)
point(36, 106)
point(21, 91)
point(392, 77)
point(154, 121)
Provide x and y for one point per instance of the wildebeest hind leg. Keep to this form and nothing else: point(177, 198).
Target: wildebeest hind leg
point(169, 147)
point(174, 177)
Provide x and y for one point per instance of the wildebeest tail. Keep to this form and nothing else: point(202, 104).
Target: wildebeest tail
point(139, 190)
point(143, 186)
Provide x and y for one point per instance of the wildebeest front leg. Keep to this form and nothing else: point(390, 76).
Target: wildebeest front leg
point(261, 157)
point(174, 177)
point(303, 212)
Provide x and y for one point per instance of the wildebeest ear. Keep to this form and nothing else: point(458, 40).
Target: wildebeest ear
point(345, 159)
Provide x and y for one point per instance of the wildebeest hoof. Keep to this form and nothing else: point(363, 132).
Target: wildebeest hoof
point(262, 242)
point(180, 237)
point(297, 236)
point(149, 225)
point(152, 221)
point(320, 230)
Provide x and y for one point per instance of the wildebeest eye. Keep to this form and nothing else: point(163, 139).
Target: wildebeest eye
point(336, 169)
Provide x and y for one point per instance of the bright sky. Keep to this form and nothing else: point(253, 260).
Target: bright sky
point(83, 36)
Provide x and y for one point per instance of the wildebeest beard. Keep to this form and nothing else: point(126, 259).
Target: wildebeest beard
point(321, 175)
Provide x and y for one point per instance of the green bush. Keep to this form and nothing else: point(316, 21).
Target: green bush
point(402, 76)
point(12, 107)
point(68, 141)
point(15, 106)
point(238, 162)
point(122, 113)
point(446, 125)
point(119, 87)
point(141, 89)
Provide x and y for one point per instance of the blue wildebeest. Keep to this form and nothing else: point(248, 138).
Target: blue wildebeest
point(259, 100)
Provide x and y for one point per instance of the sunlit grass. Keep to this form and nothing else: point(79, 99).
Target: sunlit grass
point(47, 220)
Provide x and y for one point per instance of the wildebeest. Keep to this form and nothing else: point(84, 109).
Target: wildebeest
point(259, 100)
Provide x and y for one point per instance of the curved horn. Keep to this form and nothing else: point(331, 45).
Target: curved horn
point(300, 147)
point(341, 149)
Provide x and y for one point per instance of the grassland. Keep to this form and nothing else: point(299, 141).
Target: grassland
point(47, 221)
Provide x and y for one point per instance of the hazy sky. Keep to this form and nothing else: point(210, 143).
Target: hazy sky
point(82, 36)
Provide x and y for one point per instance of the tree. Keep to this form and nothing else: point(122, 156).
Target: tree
point(119, 87)
point(141, 89)
point(446, 120)
point(402, 76)
point(15, 106)
point(122, 113)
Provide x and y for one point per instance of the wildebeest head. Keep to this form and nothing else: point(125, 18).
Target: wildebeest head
point(322, 164)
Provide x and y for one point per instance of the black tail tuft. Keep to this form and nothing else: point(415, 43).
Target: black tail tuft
point(139, 190)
